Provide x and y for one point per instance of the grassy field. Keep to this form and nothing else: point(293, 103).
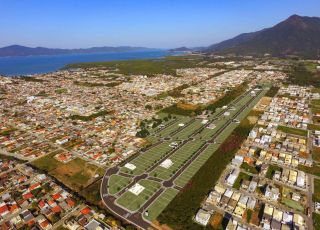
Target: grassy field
point(249, 168)
point(292, 204)
point(116, 183)
point(147, 159)
point(242, 177)
point(294, 131)
point(315, 169)
point(187, 131)
point(313, 127)
point(316, 220)
point(316, 195)
point(76, 174)
point(272, 92)
point(301, 74)
point(90, 117)
point(133, 202)
point(159, 204)
point(178, 159)
point(271, 170)
point(92, 193)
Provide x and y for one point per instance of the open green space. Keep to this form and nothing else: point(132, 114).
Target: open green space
point(90, 117)
point(301, 74)
point(316, 220)
point(272, 92)
point(76, 174)
point(315, 169)
point(292, 204)
point(187, 131)
point(249, 168)
point(180, 157)
point(147, 159)
point(294, 131)
point(242, 177)
point(271, 171)
point(133, 202)
point(316, 194)
point(313, 127)
point(117, 182)
point(159, 204)
point(179, 213)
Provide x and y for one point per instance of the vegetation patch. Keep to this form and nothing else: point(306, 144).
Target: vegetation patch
point(315, 169)
point(76, 174)
point(167, 65)
point(316, 220)
point(180, 212)
point(249, 168)
point(90, 117)
point(271, 171)
point(294, 131)
point(316, 195)
point(242, 177)
point(292, 204)
point(316, 154)
point(272, 92)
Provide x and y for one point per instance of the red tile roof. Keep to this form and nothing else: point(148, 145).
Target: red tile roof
point(86, 210)
point(27, 196)
point(56, 196)
point(56, 209)
point(3, 209)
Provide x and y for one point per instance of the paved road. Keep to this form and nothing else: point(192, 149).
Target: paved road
point(136, 218)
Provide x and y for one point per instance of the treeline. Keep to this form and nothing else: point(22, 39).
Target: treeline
point(180, 212)
point(300, 75)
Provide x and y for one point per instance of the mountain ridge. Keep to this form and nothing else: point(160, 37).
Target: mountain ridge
point(297, 35)
point(19, 50)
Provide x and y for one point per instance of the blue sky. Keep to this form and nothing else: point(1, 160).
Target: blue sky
point(150, 23)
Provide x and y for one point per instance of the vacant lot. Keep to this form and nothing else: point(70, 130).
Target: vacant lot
point(76, 174)
point(299, 132)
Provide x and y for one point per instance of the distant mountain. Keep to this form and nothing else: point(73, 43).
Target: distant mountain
point(17, 50)
point(296, 35)
point(180, 49)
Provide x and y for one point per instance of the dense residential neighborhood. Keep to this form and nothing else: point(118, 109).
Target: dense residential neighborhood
point(80, 141)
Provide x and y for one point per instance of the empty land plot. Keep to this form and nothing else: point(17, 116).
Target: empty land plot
point(133, 202)
point(160, 203)
point(178, 159)
point(186, 132)
point(116, 183)
point(145, 160)
point(186, 176)
point(294, 131)
point(173, 127)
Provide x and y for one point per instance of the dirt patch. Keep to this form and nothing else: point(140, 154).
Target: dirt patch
point(186, 106)
point(77, 174)
point(158, 226)
point(263, 103)
point(216, 220)
point(252, 119)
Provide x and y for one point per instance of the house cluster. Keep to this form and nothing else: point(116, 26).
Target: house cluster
point(89, 219)
point(31, 200)
point(19, 143)
point(262, 187)
point(94, 113)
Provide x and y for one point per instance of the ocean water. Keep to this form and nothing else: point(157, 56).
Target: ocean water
point(14, 66)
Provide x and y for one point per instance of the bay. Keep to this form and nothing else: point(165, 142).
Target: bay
point(28, 65)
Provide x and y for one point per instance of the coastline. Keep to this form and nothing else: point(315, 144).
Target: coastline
point(44, 64)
